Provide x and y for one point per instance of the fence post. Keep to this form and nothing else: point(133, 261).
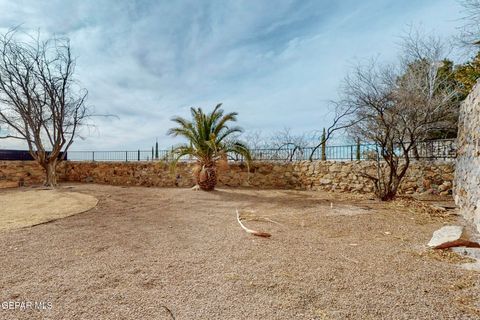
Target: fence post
point(138, 155)
point(93, 155)
point(323, 156)
point(358, 149)
point(126, 156)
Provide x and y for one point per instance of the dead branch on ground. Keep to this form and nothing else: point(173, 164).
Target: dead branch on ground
point(254, 232)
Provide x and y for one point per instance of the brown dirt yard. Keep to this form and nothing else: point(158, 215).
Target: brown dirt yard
point(332, 256)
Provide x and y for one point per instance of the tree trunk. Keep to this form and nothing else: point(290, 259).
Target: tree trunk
point(50, 173)
point(207, 177)
point(416, 155)
point(389, 195)
point(390, 190)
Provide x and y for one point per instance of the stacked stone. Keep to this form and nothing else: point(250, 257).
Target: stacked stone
point(422, 177)
point(467, 173)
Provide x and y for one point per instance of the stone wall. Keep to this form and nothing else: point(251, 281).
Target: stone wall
point(430, 177)
point(467, 174)
point(422, 177)
point(21, 172)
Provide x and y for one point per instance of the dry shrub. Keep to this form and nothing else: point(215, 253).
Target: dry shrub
point(444, 256)
point(424, 213)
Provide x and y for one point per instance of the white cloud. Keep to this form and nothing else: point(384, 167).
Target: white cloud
point(277, 65)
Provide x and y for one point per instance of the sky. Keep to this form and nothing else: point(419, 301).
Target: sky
point(276, 63)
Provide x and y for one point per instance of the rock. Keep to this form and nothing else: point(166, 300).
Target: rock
point(277, 168)
point(447, 176)
point(445, 235)
point(427, 184)
point(336, 167)
point(410, 185)
point(450, 236)
point(325, 181)
point(445, 186)
point(9, 184)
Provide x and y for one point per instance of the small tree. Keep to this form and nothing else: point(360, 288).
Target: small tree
point(398, 105)
point(467, 75)
point(470, 30)
point(208, 142)
point(343, 118)
point(40, 102)
point(287, 144)
point(255, 140)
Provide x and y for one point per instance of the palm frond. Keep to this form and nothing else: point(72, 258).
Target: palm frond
point(226, 118)
point(239, 148)
point(228, 132)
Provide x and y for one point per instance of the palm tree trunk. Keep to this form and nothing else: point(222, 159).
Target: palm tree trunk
point(207, 177)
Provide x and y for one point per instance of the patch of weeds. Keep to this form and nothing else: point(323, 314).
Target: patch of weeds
point(424, 213)
point(444, 255)
point(467, 305)
point(463, 283)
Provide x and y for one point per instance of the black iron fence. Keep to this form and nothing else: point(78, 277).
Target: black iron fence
point(126, 156)
point(435, 149)
point(22, 155)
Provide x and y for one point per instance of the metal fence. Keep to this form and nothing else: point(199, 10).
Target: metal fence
point(20, 155)
point(435, 149)
point(125, 156)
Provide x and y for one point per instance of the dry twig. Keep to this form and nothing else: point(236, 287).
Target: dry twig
point(254, 232)
point(169, 311)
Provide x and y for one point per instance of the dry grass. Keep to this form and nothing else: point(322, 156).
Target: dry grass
point(422, 211)
point(444, 256)
point(20, 208)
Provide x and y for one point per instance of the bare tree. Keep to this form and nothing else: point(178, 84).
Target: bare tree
point(281, 145)
point(255, 139)
point(470, 30)
point(370, 89)
point(40, 102)
point(286, 138)
point(425, 90)
point(395, 106)
point(289, 144)
point(342, 119)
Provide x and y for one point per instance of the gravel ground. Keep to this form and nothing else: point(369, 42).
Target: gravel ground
point(143, 249)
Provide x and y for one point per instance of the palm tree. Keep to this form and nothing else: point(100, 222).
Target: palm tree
point(210, 141)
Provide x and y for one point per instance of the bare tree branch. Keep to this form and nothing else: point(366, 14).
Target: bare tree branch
point(40, 101)
point(396, 106)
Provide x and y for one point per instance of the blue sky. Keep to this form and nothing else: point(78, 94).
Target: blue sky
point(275, 62)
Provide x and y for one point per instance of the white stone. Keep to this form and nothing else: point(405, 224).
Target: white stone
point(325, 181)
point(445, 235)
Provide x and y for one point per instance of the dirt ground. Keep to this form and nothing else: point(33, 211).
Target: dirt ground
point(23, 208)
point(142, 250)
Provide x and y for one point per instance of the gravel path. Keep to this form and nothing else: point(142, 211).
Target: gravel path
point(143, 249)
